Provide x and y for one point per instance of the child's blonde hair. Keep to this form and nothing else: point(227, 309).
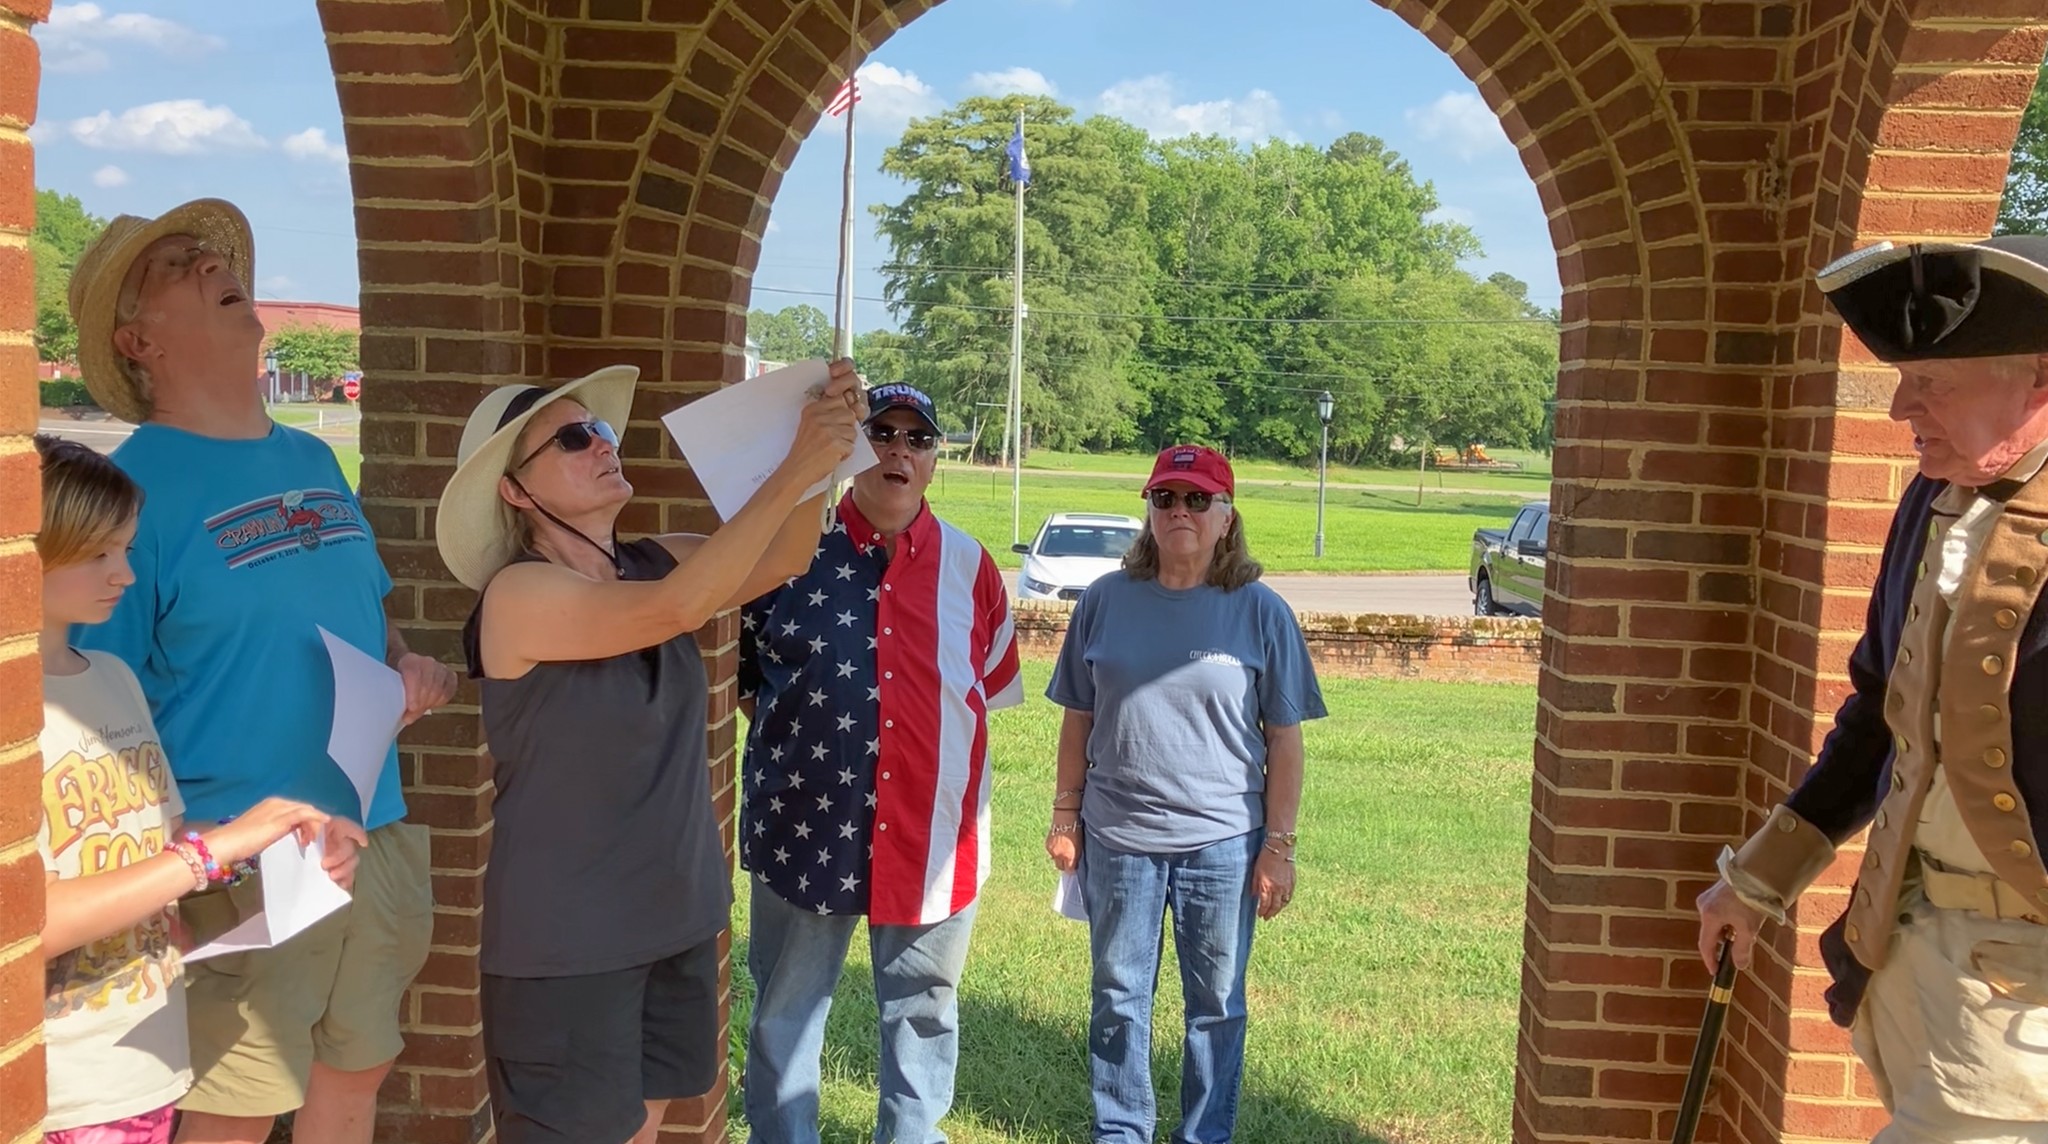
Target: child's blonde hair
point(86, 497)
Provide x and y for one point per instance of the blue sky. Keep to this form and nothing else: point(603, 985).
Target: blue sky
point(147, 104)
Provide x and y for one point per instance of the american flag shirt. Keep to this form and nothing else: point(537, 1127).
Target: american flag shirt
point(866, 778)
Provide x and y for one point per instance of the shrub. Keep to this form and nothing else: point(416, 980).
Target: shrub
point(65, 392)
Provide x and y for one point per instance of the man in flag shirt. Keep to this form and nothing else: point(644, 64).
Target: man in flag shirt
point(867, 682)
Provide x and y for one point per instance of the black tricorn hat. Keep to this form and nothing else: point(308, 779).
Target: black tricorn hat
point(1940, 300)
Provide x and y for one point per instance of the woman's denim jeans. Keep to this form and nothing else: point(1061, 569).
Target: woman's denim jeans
point(1209, 892)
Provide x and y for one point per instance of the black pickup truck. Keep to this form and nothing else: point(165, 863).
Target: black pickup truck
point(1506, 574)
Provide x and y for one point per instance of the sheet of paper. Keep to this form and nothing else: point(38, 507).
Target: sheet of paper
point(735, 438)
point(369, 703)
point(1066, 898)
point(296, 893)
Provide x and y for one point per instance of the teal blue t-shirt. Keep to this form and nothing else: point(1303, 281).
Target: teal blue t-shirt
point(244, 551)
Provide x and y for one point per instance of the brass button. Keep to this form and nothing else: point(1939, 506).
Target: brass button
point(1913, 610)
point(1896, 701)
point(1905, 655)
point(1883, 819)
point(2044, 538)
point(2006, 617)
point(1922, 570)
point(2024, 575)
point(2003, 801)
point(1898, 781)
point(1854, 934)
point(2021, 849)
point(1786, 824)
point(1870, 860)
point(1993, 757)
point(1899, 741)
point(1990, 711)
point(1993, 665)
point(1863, 896)
point(2043, 895)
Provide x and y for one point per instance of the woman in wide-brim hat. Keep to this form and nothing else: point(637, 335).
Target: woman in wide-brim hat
point(606, 890)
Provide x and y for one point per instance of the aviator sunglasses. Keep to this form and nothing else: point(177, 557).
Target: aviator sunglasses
point(919, 440)
point(1195, 499)
point(574, 437)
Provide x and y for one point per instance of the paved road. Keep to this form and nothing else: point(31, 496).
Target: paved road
point(105, 433)
point(1400, 595)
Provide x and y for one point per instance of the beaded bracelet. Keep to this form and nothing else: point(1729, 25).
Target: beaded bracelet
point(207, 866)
point(193, 862)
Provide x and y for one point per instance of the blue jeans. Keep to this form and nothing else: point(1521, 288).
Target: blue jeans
point(1127, 895)
point(795, 957)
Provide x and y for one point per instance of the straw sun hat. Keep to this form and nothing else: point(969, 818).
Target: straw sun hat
point(96, 289)
point(474, 528)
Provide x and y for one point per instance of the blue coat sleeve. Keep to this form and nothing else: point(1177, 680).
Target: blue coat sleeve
point(1841, 792)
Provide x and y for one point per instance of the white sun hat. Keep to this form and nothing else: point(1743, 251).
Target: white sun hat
point(474, 528)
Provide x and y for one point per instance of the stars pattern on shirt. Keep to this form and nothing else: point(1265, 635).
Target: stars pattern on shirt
point(808, 659)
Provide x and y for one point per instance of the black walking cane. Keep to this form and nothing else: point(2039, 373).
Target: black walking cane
point(1710, 1040)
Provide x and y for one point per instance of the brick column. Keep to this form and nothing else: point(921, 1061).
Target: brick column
point(21, 678)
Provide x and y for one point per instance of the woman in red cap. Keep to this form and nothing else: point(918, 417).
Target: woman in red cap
point(1185, 682)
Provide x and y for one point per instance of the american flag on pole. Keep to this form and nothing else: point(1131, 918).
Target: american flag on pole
point(843, 99)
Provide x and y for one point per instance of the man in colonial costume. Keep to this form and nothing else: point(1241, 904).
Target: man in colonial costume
point(1940, 963)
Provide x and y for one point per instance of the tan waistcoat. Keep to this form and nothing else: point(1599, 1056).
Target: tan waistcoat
point(1967, 682)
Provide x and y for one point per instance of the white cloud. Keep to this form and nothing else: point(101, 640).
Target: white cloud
point(1011, 81)
point(110, 176)
point(773, 227)
point(891, 97)
point(1461, 121)
point(74, 40)
point(275, 285)
point(1448, 213)
point(171, 127)
point(313, 144)
point(1149, 103)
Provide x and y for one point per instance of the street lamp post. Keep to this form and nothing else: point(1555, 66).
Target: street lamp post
point(1325, 405)
point(270, 370)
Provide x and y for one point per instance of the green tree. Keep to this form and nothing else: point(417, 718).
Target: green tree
point(62, 232)
point(1085, 253)
point(319, 352)
point(882, 356)
point(2024, 210)
point(793, 333)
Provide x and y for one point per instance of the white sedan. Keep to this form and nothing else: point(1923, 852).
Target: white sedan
point(1070, 551)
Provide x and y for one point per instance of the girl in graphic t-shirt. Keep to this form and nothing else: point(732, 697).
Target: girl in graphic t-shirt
point(115, 856)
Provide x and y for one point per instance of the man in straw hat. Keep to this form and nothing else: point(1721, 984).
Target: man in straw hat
point(250, 544)
point(1940, 962)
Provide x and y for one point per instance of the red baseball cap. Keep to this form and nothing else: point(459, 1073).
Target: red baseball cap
point(1196, 465)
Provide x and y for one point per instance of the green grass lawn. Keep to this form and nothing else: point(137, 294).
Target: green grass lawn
point(1533, 476)
point(1364, 531)
point(1382, 1003)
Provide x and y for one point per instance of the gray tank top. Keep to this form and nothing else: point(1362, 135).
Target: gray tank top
point(606, 852)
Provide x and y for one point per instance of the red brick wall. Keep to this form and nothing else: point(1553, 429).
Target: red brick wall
point(1495, 649)
point(21, 681)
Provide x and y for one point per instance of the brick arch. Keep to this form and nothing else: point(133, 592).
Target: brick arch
point(1903, 114)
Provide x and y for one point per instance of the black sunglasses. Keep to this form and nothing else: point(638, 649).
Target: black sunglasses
point(920, 440)
point(574, 437)
point(1195, 499)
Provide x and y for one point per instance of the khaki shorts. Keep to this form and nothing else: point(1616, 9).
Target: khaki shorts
point(332, 993)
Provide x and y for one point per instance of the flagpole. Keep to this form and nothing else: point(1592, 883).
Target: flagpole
point(842, 307)
point(1017, 362)
point(842, 304)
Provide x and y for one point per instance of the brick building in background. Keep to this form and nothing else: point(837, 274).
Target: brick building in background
point(546, 186)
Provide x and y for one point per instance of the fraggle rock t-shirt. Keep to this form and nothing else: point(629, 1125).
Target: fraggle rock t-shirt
point(114, 1008)
point(245, 550)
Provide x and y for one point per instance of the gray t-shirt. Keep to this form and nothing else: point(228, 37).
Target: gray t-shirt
point(1182, 684)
